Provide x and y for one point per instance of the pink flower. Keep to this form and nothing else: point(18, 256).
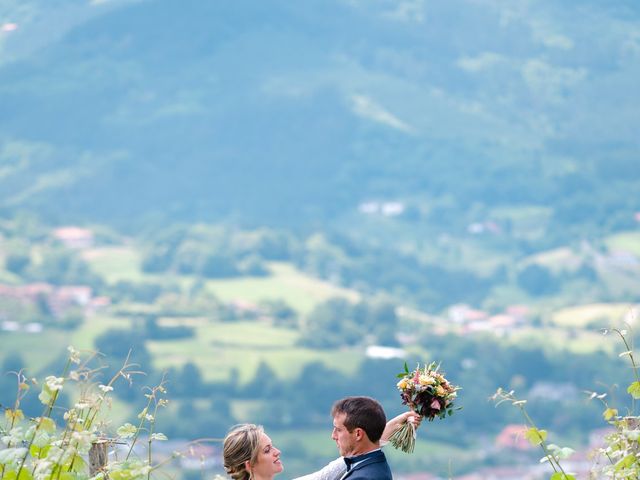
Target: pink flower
point(435, 404)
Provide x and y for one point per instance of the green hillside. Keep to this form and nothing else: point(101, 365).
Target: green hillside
point(267, 114)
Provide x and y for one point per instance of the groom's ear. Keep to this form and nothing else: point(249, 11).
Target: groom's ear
point(359, 433)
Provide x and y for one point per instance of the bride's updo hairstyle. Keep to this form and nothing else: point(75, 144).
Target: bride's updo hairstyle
point(241, 444)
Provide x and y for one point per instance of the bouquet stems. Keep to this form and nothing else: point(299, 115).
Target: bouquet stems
point(404, 437)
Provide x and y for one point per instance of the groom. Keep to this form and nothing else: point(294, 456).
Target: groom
point(358, 423)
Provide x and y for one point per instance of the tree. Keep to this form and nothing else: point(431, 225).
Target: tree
point(17, 263)
point(537, 280)
point(189, 382)
point(331, 324)
point(265, 381)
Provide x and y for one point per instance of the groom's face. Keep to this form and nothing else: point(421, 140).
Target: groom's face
point(345, 439)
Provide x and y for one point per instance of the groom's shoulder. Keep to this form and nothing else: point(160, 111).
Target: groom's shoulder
point(376, 468)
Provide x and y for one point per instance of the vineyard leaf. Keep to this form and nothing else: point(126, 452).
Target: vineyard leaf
point(634, 390)
point(535, 436)
point(127, 430)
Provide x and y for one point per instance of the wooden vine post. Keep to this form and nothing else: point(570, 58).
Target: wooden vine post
point(98, 457)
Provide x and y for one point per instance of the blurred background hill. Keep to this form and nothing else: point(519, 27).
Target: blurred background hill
point(243, 187)
point(266, 112)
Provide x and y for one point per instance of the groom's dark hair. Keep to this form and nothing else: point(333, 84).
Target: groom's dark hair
point(362, 412)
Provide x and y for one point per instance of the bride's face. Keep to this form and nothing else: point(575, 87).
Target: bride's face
point(268, 462)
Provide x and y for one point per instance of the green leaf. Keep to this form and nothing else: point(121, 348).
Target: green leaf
point(79, 465)
point(634, 390)
point(626, 462)
point(25, 474)
point(609, 413)
point(47, 424)
point(535, 436)
point(560, 452)
point(13, 415)
point(562, 476)
point(46, 395)
point(34, 451)
point(127, 430)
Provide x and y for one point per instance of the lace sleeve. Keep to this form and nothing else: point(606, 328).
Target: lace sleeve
point(331, 471)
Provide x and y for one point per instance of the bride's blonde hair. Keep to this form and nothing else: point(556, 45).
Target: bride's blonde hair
point(241, 444)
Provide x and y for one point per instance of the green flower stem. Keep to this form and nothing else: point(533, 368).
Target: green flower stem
point(152, 423)
point(509, 396)
point(143, 415)
point(152, 426)
point(543, 445)
point(47, 413)
point(633, 363)
point(137, 434)
point(630, 350)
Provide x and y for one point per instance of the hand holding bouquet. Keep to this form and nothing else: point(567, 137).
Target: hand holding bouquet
point(428, 393)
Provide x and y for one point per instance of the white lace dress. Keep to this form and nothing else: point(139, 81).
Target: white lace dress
point(331, 471)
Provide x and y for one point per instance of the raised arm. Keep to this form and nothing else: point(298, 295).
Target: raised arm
point(398, 420)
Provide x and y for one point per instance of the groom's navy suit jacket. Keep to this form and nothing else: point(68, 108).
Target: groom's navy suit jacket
point(370, 466)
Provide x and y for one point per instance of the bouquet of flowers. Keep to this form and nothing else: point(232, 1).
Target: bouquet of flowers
point(428, 393)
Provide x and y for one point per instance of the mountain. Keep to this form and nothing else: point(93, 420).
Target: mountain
point(294, 113)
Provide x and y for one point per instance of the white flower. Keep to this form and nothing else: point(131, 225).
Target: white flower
point(74, 355)
point(71, 416)
point(15, 436)
point(12, 455)
point(55, 454)
point(54, 383)
point(105, 388)
point(632, 435)
point(83, 440)
point(142, 471)
point(43, 469)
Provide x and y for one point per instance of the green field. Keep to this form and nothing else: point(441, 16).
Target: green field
point(557, 259)
point(302, 292)
point(220, 348)
point(607, 314)
point(627, 241)
point(114, 264)
point(572, 340)
point(299, 290)
point(38, 350)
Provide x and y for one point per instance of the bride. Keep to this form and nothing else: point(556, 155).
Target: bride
point(249, 454)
